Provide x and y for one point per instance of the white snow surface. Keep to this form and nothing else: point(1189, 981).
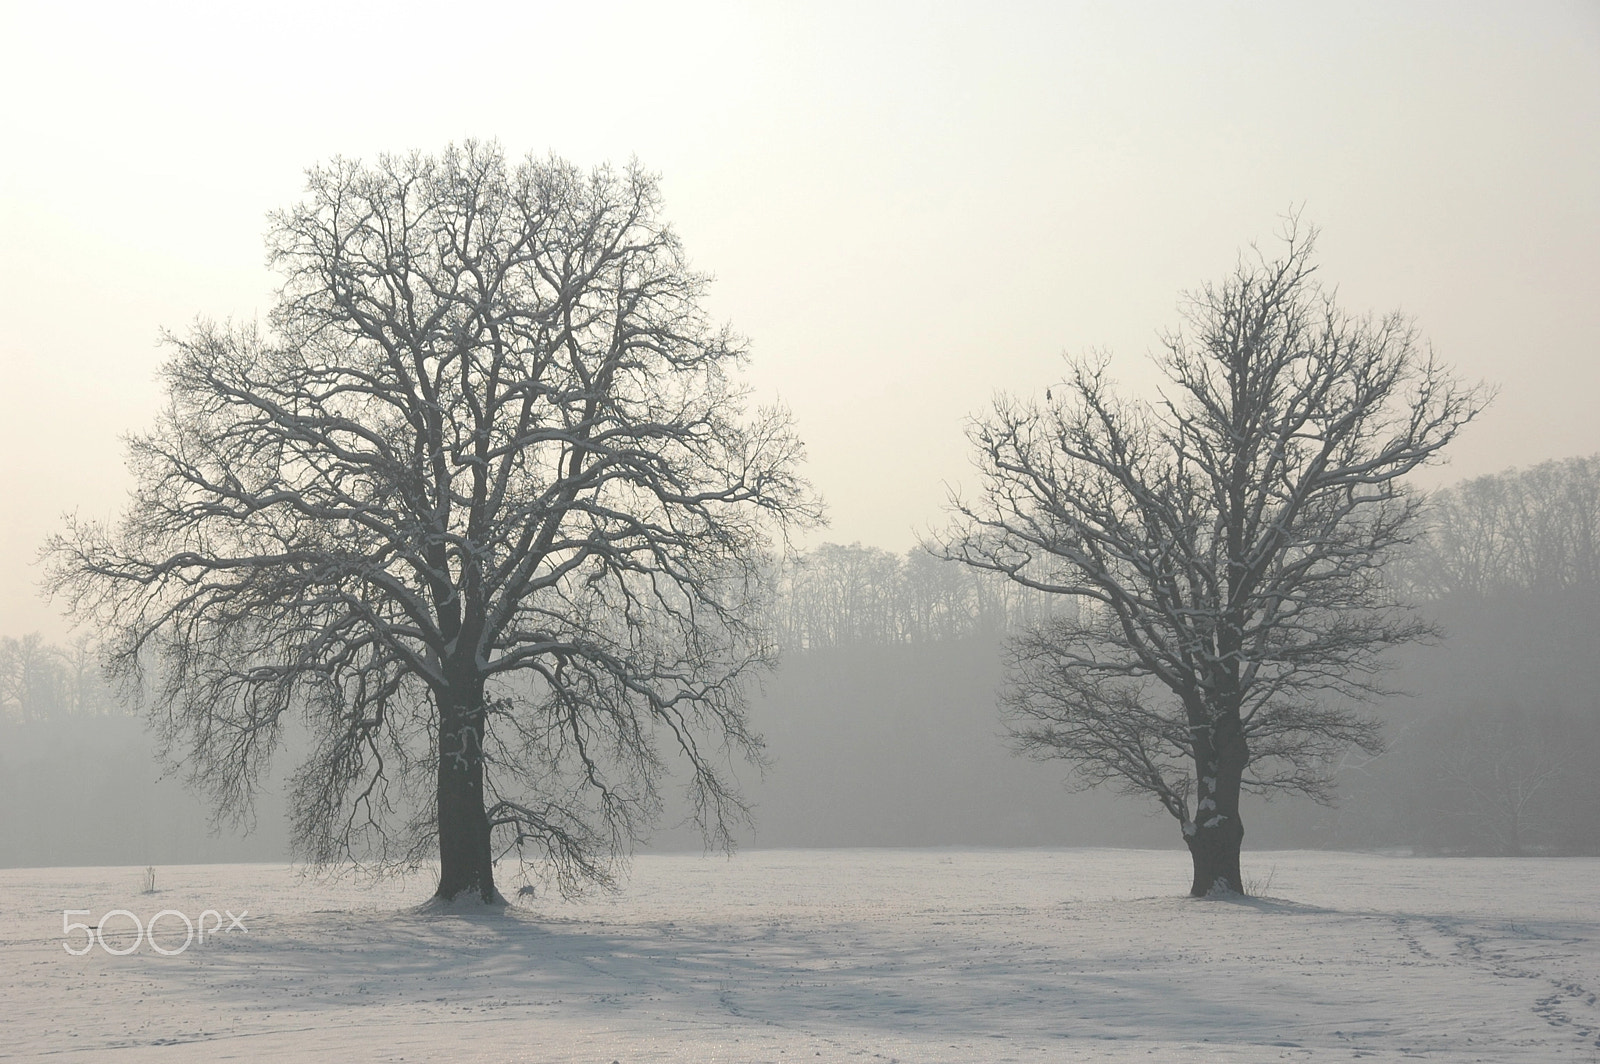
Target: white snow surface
point(830, 955)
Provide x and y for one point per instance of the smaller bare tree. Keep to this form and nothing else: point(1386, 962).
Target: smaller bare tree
point(1225, 545)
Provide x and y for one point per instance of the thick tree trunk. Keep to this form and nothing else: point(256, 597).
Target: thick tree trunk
point(1215, 851)
point(1217, 834)
point(466, 863)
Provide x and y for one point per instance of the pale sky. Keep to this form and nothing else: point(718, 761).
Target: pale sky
point(908, 207)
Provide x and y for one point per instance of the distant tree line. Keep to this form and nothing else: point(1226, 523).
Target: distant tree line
point(43, 681)
point(1490, 755)
point(831, 596)
point(837, 596)
point(1533, 532)
point(1528, 532)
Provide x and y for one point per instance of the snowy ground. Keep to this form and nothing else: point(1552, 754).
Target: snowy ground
point(911, 955)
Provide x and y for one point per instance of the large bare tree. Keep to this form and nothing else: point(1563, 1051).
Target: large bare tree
point(1224, 544)
point(485, 502)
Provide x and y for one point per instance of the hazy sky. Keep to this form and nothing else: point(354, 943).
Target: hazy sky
point(907, 206)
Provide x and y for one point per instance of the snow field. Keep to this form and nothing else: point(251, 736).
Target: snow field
point(831, 955)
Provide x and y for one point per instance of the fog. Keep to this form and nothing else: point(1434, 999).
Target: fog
point(907, 209)
point(902, 747)
point(881, 725)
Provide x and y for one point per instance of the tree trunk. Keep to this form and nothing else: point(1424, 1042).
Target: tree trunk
point(1215, 851)
point(1217, 834)
point(466, 863)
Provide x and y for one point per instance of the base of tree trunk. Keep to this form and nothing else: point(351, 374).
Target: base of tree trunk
point(1215, 851)
point(450, 892)
point(465, 901)
point(466, 863)
point(467, 878)
point(466, 857)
